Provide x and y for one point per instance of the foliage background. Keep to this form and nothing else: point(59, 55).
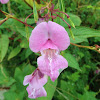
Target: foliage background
point(79, 81)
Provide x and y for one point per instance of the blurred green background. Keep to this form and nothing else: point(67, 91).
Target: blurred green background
point(80, 81)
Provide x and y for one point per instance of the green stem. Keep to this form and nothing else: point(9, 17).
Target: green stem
point(62, 94)
point(2, 21)
point(88, 47)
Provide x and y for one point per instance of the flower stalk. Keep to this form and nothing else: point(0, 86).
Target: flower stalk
point(11, 16)
point(96, 47)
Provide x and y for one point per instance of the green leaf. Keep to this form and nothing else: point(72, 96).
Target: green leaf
point(14, 52)
point(88, 96)
point(74, 77)
point(4, 42)
point(78, 40)
point(7, 23)
point(24, 43)
point(13, 95)
point(61, 95)
point(63, 7)
point(85, 32)
point(28, 52)
point(75, 19)
point(38, 6)
point(68, 89)
point(19, 76)
point(23, 5)
point(9, 96)
point(66, 85)
point(59, 4)
point(21, 31)
point(82, 33)
point(71, 61)
point(3, 75)
point(10, 81)
point(29, 2)
point(29, 20)
point(50, 89)
point(28, 69)
point(35, 12)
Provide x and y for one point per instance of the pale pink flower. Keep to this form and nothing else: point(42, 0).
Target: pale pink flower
point(97, 71)
point(50, 38)
point(4, 1)
point(36, 82)
point(35, 93)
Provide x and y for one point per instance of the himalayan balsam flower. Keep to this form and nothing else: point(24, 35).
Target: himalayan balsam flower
point(36, 82)
point(50, 38)
point(4, 1)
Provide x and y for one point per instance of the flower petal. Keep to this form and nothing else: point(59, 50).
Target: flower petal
point(58, 35)
point(35, 93)
point(4, 1)
point(38, 82)
point(27, 79)
point(52, 68)
point(38, 37)
point(41, 92)
point(35, 80)
point(43, 65)
point(54, 76)
point(59, 62)
point(49, 45)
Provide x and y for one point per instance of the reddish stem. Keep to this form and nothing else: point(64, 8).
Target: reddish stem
point(38, 1)
point(22, 22)
point(10, 16)
point(19, 40)
point(2, 21)
point(2, 12)
point(44, 1)
point(51, 15)
point(63, 13)
point(2, 88)
point(64, 21)
point(28, 17)
point(28, 4)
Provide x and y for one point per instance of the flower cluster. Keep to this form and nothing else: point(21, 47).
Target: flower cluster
point(49, 38)
point(4, 1)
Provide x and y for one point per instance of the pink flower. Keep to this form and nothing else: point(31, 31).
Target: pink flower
point(36, 82)
point(50, 38)
point(4, 1)
point(97, 71)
